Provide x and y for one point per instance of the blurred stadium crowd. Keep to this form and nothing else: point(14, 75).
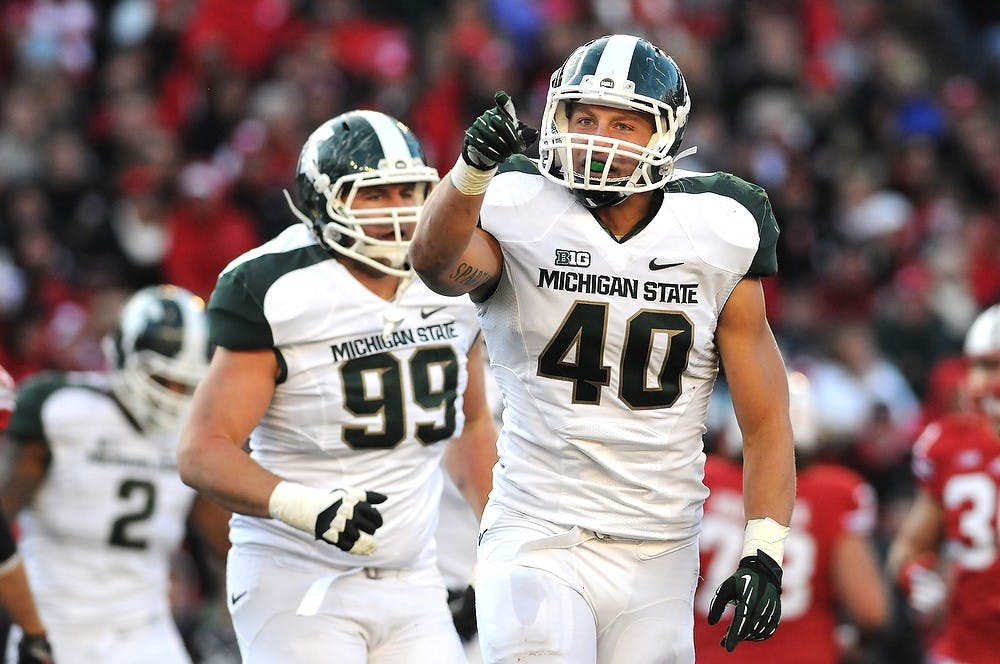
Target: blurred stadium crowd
point(146, 141)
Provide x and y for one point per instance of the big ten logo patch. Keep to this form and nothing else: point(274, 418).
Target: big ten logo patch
point(572, 258)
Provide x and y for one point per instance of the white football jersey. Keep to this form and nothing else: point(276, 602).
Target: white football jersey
point(98, 535)
point(370, 391)
point(605, 348)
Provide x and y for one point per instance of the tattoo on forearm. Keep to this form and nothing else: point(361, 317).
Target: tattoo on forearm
point(468, 275)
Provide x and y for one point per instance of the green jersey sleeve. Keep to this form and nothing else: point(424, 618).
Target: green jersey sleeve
point(236, 317)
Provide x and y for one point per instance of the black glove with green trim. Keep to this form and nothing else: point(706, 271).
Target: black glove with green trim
point(496, 135)
point(34, 650)
point(755, 589)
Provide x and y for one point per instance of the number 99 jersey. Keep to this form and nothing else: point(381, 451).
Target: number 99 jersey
point(358, 403)
point(957, 461)
point(609, 363)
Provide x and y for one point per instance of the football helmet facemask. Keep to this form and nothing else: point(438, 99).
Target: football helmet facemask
point(620, 71)
point(159, 351)
point(982, 350)
point(354, 150)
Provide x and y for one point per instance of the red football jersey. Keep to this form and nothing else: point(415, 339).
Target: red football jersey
point(831, 501)
point(957, 461)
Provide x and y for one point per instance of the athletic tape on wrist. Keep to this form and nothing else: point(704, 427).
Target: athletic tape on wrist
point(767, 535)
point(469, 180)
point(294, 504)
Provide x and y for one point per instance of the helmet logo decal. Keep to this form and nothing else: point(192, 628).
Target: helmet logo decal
point(161, 331)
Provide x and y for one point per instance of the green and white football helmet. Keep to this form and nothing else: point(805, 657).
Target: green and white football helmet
point(159, 351)
point(620, 71)
point(346, 153)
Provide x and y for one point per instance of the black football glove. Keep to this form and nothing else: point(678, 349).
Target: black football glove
point(496, 135)
point(34, 650)
point(755, 589)
point(463, 612)
point(346, 518)
point(350, 514)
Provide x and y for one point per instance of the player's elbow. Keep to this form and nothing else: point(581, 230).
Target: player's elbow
point(434, 271)
point(429, 264)
point(189, 462)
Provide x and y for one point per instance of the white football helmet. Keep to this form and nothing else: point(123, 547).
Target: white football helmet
point(159, 351)
point(354, 150)
point(982, 349)
point(625, 72)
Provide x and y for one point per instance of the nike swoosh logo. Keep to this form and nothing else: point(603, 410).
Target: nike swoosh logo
point(427, 313)
point(235, 598)
point(653, 265)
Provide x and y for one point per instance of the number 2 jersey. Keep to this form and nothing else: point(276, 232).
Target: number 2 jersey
point(605, 348)
point(357, 403)
point(957, 461)
point(831, 501)
point(98, 535)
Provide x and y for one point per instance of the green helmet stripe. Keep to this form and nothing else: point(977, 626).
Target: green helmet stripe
point(389, 136)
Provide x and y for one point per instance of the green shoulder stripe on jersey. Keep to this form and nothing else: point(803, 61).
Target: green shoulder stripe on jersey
point(236, 317)
point(518, 164)
point(26, 421)
point(750, 196)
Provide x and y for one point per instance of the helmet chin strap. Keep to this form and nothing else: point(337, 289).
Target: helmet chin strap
point(596, 200)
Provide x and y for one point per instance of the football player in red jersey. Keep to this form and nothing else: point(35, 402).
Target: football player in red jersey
point(952, 527)
point(16, 599)
point(830, 563)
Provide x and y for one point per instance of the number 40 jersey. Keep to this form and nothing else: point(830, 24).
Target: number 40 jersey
point(98, 535)
point(605, 349)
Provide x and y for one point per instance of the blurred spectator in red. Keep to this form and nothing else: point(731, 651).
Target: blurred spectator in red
point(206, 229)
point(945, 391)
point(983, 241)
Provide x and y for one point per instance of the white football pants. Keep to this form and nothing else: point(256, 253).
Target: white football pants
point(546, 595)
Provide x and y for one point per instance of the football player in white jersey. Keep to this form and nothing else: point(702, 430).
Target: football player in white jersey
point(352, 381)
point(95, 486)
point(609, 286)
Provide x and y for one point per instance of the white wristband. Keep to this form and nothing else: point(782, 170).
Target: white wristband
point(296, 505)
point(767, 535)
point(469, 180)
